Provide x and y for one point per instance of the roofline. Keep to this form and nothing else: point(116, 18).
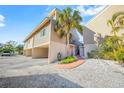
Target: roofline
point(44, 20)
point(98, 14)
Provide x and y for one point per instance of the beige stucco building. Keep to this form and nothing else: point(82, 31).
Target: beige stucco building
point(98, 24)
point(43, 41)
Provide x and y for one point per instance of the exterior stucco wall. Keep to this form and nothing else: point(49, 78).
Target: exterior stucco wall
point(28, 52)
point(54, 36)
point(88, 36)
point(24, 52)
point(71, 50)
point(89, 42)
point(55, 48)
point(38, 39)
point(56, 45)
point(39, 52)
point(28, 43)
point(88, 48)
point(39, 48)
point(99, 23)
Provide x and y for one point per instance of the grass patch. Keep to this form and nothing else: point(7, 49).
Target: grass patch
point(67, 60)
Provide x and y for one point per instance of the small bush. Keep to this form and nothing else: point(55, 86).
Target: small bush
point(120, 57)
point(92, 54)
point(108, 55)
point(101, 54)
point(68, 60)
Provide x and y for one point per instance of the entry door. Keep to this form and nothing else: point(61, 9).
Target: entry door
point(81, 51)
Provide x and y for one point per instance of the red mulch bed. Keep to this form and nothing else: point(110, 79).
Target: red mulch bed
point(71, 65)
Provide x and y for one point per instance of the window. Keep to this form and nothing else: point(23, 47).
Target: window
point(29, 41)
point(42, 33)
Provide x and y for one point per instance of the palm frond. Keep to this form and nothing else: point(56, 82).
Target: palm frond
point(121, 20)
point(116, 29)
point(77, 16)
point(79, 28)
point(61, 18)
point(114, 17)
point(67, 20)
point(60, 33)
point(109, 22)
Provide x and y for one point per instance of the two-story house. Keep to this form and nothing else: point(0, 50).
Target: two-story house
point(43, 41)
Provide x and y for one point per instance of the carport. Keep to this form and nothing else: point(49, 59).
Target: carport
point(40, 52)
point(28, 52)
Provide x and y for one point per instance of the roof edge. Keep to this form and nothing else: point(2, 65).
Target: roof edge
point(30, 34)
point(98, 14)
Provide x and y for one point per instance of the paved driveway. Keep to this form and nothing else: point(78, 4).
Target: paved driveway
point(20, 62)
point(20, 71)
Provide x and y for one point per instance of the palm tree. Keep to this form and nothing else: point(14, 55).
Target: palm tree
point(66, 21)
point(116, 22)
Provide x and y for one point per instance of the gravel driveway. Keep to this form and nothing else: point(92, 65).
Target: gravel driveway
point(20, 71)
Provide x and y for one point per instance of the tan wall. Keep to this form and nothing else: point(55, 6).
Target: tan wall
point(39, 52)
point(24, 52)
point(88, 48)
point(42, 39)
point(54, 36)
point(99, 23)
point(54, 49)
point(29, 44)
point(56, 45)
point(88, 36)
point(71, 50)
point(28, 52)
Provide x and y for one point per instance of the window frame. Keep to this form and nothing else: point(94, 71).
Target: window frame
point(42, 32)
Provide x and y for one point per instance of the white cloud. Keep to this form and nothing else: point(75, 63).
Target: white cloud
point(2, 19)
point(2, 24)
point(91, 10)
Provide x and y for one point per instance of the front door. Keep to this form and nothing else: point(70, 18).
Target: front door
point(81, 51)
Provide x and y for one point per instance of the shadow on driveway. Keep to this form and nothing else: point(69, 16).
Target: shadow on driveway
point(37, 81)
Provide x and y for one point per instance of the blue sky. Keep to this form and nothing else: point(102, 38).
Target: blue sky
point(16, 22)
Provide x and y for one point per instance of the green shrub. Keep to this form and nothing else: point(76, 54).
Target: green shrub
point(69, 59)
point(101, 54)
point(108, 55)
point(120, 56)
point(92, 54)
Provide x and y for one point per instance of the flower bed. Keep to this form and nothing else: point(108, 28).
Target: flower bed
point(67, 60)
point(71, 65)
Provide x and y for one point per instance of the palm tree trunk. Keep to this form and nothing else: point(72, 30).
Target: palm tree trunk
point(67, 43)
point(68, 38)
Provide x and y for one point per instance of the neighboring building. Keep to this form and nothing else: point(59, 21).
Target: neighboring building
point(43, 41)
point(99, 25)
